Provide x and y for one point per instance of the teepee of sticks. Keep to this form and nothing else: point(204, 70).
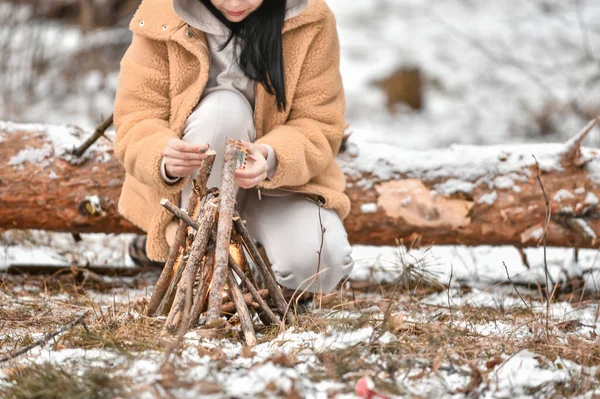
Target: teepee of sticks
point(207, 256)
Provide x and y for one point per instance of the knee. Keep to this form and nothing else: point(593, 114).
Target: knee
point(222, 113)
point(306, 270)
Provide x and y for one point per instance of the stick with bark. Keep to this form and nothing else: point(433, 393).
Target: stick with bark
point(179, 267)
point(207, 220)
point(264, 270)
point(176, 253)
point(248, 281)
point(229, 307)
point(272, 318)
point(226, 208)
point(204, 279)
point(99, 132)
point(242, 310)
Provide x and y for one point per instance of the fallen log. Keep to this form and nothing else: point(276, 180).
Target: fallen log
point(43, 269)
point(472, 195)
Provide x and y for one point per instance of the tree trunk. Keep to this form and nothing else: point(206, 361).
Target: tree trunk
point(462, 195)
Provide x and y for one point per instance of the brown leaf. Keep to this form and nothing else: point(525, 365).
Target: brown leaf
point(329, 362)
point(214, 353)
point(437, 362)
point(422, 374)
point(209, 388)
point(281, 359)
point(476, 380)
point(247, 352)
point(271, 386)
point(569, 325)
point(396, 322)
point(493, 362)
point(293, 393)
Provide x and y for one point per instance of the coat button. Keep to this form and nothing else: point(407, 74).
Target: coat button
point(141, 23)
point(164, 27)
point(189, 34)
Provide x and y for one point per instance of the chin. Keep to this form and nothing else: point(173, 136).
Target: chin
point(235, 19)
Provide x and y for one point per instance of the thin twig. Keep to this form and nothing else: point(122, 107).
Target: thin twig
point(180, 214)
point(99, 132)
point(544, 235)
point(45, 339)
point(320, 252)
point(516, 290)
point(448, 291)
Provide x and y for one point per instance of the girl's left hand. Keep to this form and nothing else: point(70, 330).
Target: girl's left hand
point(256, 166)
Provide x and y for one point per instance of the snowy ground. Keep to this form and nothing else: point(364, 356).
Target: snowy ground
point(481, 335)
point(496, 72)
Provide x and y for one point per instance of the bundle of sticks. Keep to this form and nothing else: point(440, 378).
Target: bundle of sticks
point(207, 263)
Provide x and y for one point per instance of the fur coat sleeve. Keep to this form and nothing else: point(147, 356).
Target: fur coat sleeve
point(142, 108)
point(310, 139)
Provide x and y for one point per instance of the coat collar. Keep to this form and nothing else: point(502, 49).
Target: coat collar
point(195, 13)
point(158, 20)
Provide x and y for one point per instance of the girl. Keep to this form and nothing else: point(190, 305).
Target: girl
point(262, 71)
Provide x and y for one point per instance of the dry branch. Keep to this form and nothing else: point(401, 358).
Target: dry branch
point(197, 251)
point(41, 269)
point(176, 253)
point(226, 207)
point(99, 132)
point(201, 297)
point(255, 294)
point(265, 271)
point(229, 307)
point(242, 310)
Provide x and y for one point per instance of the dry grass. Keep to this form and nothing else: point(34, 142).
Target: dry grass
point(427, 341)
point(52, 381)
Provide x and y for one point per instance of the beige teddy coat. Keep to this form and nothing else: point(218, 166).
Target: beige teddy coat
point(163, 74)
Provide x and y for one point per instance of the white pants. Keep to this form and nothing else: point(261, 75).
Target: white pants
point(286, 224)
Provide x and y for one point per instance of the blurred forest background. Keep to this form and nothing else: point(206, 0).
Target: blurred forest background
point(418, 73)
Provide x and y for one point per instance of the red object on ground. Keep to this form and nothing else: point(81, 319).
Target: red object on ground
point(365, 389)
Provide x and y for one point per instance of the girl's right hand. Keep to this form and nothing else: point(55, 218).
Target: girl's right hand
point(183, 158)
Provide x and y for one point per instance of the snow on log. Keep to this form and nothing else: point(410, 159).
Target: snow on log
point(473, 195)
point(43, 186)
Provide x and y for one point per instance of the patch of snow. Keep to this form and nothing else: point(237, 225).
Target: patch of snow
point(524, 370)
point(368, 208)
point(563, 194)
point(504, 182)
point(488, 198)
point(453, 186)
point(586, 227)
point(591, 199)
point(32, 155)
point(537, 233)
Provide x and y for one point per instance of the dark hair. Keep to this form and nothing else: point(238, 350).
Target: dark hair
point(260, 51)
